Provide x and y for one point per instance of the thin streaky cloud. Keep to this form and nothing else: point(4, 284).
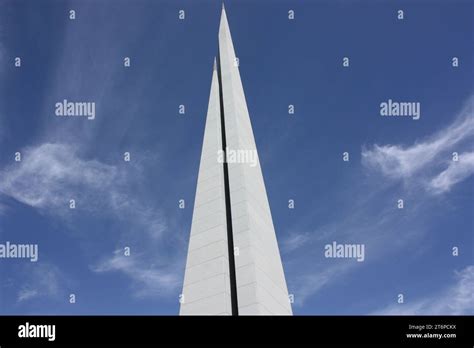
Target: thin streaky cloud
point(149, 280)
point(365, 222)
point(26, 294)
point(51, 174)
point(456, 172)
point(402, 162)
point(294, 241)
point(41, 281)
point(457, 299)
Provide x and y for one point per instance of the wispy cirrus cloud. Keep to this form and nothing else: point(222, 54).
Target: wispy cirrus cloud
point(148, 278)
point(426, 157)
point(294, 241)
point(51, 174)
point(453, 174)
point(457, 299)
point(41, 280)
point(366, 224)
point(114, 198)
point(373, 218)
point(26, 294)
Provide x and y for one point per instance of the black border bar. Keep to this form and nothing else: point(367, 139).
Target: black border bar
point(328, 330)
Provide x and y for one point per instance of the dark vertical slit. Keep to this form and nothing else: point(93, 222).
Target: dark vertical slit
point(230, 235)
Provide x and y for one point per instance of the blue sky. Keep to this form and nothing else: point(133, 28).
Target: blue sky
point(135, 204)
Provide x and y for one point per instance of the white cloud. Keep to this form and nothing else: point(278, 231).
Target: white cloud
point(26, 294)
point(457, 299)
point(149, 279)
point(40, 281)
point(365, 223)
point(143, 217)
point(456, 172)
point(294, 241)
point(372, 218)
point(49, 175)
point(406, 162)
point(310, 283)
point(55, 171)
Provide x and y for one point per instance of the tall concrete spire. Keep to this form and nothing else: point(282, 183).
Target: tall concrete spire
point(233, 265)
